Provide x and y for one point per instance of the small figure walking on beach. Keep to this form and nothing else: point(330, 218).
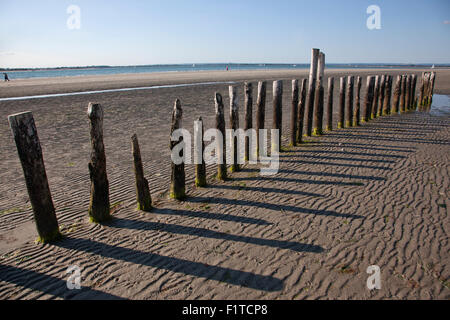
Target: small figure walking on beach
point(227, 68)
point(6, 77)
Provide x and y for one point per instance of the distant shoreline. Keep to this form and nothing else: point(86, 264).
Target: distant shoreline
point(55, 85)
point(64, 72)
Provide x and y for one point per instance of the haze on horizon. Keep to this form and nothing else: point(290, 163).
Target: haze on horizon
point(35, 34)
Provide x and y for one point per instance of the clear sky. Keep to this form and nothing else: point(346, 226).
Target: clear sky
point(132, 32)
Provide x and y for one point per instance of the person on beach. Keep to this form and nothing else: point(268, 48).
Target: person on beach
point(227, 68)
point(6, 77)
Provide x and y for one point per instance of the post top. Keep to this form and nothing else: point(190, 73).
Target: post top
point(20, 114)
point(13, 119)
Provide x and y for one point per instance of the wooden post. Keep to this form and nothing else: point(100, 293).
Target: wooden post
point(330, 104)
point(220, 125)
point(381, 96)
point(403, 95)
point(200, 168)
point(234, 125)
point(278, 107)
point(301, 111)
point(387, 96)
point(413, 92)
point(431, 92)
point(408, 93)
point(349, 102)
point(341, 103)
point(99, 209)
point(375, 97)
point(30, 154)
point(177, 182)
point(421, 92)
point(368, 99)
point(357, 112)
point(311, 91)
point(397, 92)
point(319, 95)
point(294, 113)
point(248, 116)
point(260, 112)
point(143, 197)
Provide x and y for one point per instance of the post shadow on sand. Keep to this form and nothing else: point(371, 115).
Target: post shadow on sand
point(384, 138)
point(366, 146)
point(345, 159)
point(264, 189)
point(397, 128)
point(51, 285)
point(275, 207)
point(348, 153)
point(206, 233)
point(153, 260)
point(336, 164)
point(282, 179)
point(392, 131)
point(210, 215)
point(320, 174)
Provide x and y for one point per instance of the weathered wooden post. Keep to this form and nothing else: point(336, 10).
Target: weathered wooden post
point(431, 92)
point(368, 98)
point(357, 112)
point(349, 102)
point(294, 113)
point(278, 107)
point(143, 197)
point(387, 96)
point(234, 125)
point(397, 93)
point(30, 154)
point(311, 91)
point(375, 97)
point(421, 92)
point(408, 93)
point(99, 208)
point(413, 92)
point(341, 102)
point(429, 89)
point(260, 112)
point(301, 111)
point(248, 116)
point(319, 96)
point(403, 95)
point(381, 95)
point(220, 126)
point(330, 104)
point(178, 178)
point(200, 167)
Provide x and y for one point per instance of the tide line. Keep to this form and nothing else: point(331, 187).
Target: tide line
point(113, 90)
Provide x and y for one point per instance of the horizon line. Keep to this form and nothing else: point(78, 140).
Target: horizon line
point(224, 63)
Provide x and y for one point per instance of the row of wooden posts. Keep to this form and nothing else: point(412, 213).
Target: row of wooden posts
point(307, 106)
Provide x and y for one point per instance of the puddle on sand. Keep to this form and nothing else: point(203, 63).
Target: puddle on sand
point(440, 105)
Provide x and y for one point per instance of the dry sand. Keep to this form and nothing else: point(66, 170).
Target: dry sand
point(373, 195)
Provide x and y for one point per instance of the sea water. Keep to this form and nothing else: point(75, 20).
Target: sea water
point(440, 105)
point(106, 70)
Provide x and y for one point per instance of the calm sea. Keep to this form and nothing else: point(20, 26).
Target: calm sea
point(63, 72)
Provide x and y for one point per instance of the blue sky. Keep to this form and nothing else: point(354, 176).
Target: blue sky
point(113, 32)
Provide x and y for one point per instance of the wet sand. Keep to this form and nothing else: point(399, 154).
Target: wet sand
point(372, 195)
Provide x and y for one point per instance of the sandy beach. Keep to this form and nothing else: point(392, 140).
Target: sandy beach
point(377, 194)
